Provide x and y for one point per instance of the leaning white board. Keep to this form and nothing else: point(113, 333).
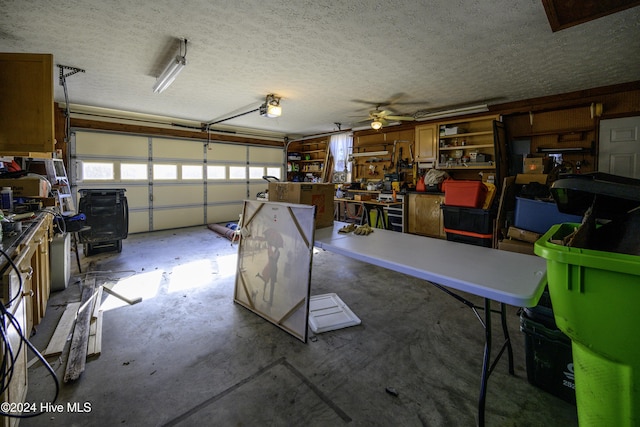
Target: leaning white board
point(328, 312)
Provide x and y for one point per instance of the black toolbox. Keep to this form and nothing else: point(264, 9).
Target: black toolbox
point(107, 219)
point(549, 358)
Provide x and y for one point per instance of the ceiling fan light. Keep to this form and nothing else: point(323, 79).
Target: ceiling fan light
point(376, 124)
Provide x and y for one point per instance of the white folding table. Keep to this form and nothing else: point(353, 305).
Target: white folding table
point(495, 275)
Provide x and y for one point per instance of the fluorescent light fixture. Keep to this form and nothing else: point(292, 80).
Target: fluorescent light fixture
point(376, 124)
point(371, 153)
point(171, 71)
point(271, 107)
point(451, 113)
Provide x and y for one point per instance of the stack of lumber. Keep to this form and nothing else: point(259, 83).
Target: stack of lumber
point(82, 321)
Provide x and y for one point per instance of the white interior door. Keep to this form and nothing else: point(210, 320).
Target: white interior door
point(619, 152)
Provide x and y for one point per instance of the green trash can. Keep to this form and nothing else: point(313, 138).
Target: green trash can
point(595, 297)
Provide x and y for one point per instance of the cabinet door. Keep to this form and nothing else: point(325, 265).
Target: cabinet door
point(26, 105)
point(425, 215)
point(41, 271)
point(426, 142)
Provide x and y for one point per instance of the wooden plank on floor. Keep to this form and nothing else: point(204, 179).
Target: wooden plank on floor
point(60, 335)
point(95, 338)
point(95, 330)
point(98, 303)
point(79, 342)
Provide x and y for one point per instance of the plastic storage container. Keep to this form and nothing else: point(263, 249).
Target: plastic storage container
point(107, 216)
point(467, 219)
point(468, 194)
point(595, 298)
point(469, 237)
point(615, 194)
point(549, 359)
point(539, 216)
point(60, 256)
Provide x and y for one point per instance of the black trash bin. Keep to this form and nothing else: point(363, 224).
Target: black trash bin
point(107, 219)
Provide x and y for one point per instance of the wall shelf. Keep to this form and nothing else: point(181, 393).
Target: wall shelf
point(473, 136)
point(482, 165)
point(462, 147)
point(568, 150)
point(559, 132)
point(466, 134)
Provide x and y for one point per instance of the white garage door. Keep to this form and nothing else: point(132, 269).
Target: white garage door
point(172, 183)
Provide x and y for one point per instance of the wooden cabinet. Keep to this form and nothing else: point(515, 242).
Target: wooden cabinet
point(26, 105)
point(425, 215)
point(25, 292)
point(426, 142)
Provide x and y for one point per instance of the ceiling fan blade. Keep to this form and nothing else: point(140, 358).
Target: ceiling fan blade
point(359, 122)
point(401, 118)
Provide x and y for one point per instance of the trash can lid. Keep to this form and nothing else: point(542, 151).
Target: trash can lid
point(614, 195)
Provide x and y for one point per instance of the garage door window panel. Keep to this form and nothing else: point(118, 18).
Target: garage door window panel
point(133, 172)
point(192, 172)
point(165, 172)
point(97, 171)
point(216, 172)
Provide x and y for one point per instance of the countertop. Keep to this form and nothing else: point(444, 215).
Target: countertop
point(13, 239)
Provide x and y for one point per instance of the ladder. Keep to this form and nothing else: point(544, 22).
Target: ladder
point(57, 175)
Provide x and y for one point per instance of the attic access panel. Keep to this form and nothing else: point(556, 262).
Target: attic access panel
point(275, 252)
point(564, 14)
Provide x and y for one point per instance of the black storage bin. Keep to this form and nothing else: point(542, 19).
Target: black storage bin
point(107, 215)
point(471, 238)
point(549, 358)
point(467, 219)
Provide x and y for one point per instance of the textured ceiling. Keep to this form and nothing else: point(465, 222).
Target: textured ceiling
point(323, 57)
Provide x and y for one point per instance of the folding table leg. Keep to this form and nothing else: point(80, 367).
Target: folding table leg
point(486, 367)
point(485, 361)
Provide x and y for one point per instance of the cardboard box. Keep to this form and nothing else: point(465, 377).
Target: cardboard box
point(361, 197)
point(27, 186)
point(516, 246)
point(302, 193)
point(536, 165)
point(523, 235)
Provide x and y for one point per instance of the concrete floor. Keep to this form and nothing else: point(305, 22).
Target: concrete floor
point(187, 355)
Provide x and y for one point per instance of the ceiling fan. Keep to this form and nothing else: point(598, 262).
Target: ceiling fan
point(381, 118)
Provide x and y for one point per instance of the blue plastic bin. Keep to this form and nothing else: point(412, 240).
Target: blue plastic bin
point(539, 216)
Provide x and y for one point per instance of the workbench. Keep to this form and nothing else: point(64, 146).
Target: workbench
point(505, 277)
point(362, 211)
